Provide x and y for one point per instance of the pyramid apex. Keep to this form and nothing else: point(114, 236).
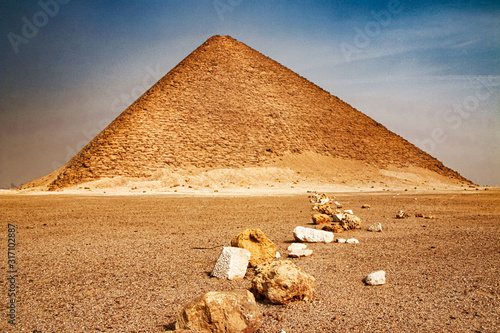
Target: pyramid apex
point(220, 38)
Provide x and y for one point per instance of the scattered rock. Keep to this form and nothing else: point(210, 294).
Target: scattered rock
point(325, 209)
point(312, 235)
point(282, 282)
point(377, 227)
point(341, 240)
point(401, 215)
point(419, 215)
point(338, 204)
point(261, 248)
point(225, 311)
point(300, 253)
point(375, 279)
point(336, 228)
point(430, 217)
point(296, 246)
point(278, 255)
point(352, 241)
point(320, 219)
point(348, 211)
point(350, 222)
point(365, 206)
point(232, 263)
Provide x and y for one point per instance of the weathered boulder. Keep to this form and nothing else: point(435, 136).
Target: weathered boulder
point(282, 282)
point(320, 219)
point(225, 311)
point(375, 279)
point(312, 235)
point(377, 227)
point(325, 209)
point(348, 211)
point(261, 248)
point(232, 263)
point(336, 228)
point(350, 222)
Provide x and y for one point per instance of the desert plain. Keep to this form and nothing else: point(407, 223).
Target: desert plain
point(95, 262)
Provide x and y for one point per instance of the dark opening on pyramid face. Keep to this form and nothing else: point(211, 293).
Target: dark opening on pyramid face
point(228, 106)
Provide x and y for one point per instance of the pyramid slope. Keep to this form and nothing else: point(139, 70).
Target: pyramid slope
point(228, 106)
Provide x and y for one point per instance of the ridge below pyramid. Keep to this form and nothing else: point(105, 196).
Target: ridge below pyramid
point(228, 106)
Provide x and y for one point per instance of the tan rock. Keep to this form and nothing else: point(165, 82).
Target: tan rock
point(365, 206)
point(320, 219)
point(325, 209)
point(261, 248)
point(335, 228)
point(282, 282)
point(401, 215)
point(224, 311)
point(350, 222)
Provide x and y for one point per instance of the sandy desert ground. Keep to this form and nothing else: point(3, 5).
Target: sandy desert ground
point(111, 263)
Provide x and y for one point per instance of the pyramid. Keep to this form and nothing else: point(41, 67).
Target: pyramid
point(228, 106)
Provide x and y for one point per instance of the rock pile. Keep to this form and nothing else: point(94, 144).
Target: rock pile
point(327, 214)
point(277, 282)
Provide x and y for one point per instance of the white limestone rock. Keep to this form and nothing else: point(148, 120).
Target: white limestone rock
point(377, 227)
point(375, 279)
point(296, 246)
point(312, 235)
point(232, 263)
point(278, 255)
point(300, 253)
point(341, 240)
point(352, 241)
point(348, 211)
point(337, 217)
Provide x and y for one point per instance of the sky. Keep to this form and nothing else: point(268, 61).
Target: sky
point(428, 70)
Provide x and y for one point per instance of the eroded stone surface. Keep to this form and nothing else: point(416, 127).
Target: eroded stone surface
point(232, 263)
point(224, 311)
point(262, 249)
point(281, 282)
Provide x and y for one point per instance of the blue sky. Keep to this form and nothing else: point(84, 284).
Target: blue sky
point(428, 70)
